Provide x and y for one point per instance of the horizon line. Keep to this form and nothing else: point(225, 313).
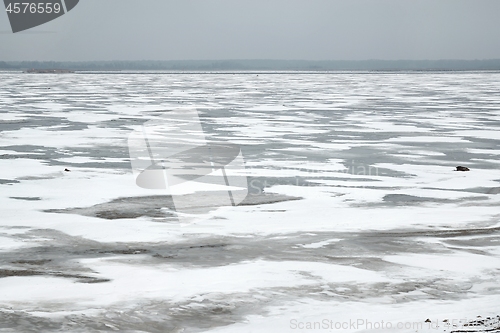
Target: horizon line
point(258, 59)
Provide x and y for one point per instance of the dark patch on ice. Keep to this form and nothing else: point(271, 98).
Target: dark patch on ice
point(484, 190)
point(41, 177)
point(200, 314)
point(257, 185)
point(8, 181)
point(266, 198)
point(62, 253)
point(474, 242)
point(405, 199)
point(51, 155)
point(122, 123)
point(128, 251)
point(32, 152)
point(95, 165)
point(11, 157)
point(126, 208)
point(32, 262)
point(162, 206)
point(29, 272)
point(68, 126)
point(391, 200)
point(43, 121)
point(27, 198)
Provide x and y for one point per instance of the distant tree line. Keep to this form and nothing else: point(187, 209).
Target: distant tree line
point(259, 65)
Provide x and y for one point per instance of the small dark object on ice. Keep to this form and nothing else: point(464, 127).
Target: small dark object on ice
point(462, 168)
point(428, 320)
point(67, 170)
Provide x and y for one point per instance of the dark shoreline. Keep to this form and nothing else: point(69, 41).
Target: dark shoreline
point(260, 65)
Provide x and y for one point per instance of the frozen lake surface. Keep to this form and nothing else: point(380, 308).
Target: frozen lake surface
point(355, 220)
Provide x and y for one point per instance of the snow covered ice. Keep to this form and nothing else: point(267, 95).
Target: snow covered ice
point(355, 219)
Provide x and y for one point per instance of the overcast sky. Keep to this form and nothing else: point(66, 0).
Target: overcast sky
point(262, 29)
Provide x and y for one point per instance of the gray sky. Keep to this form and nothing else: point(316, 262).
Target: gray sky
point(262, 29)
